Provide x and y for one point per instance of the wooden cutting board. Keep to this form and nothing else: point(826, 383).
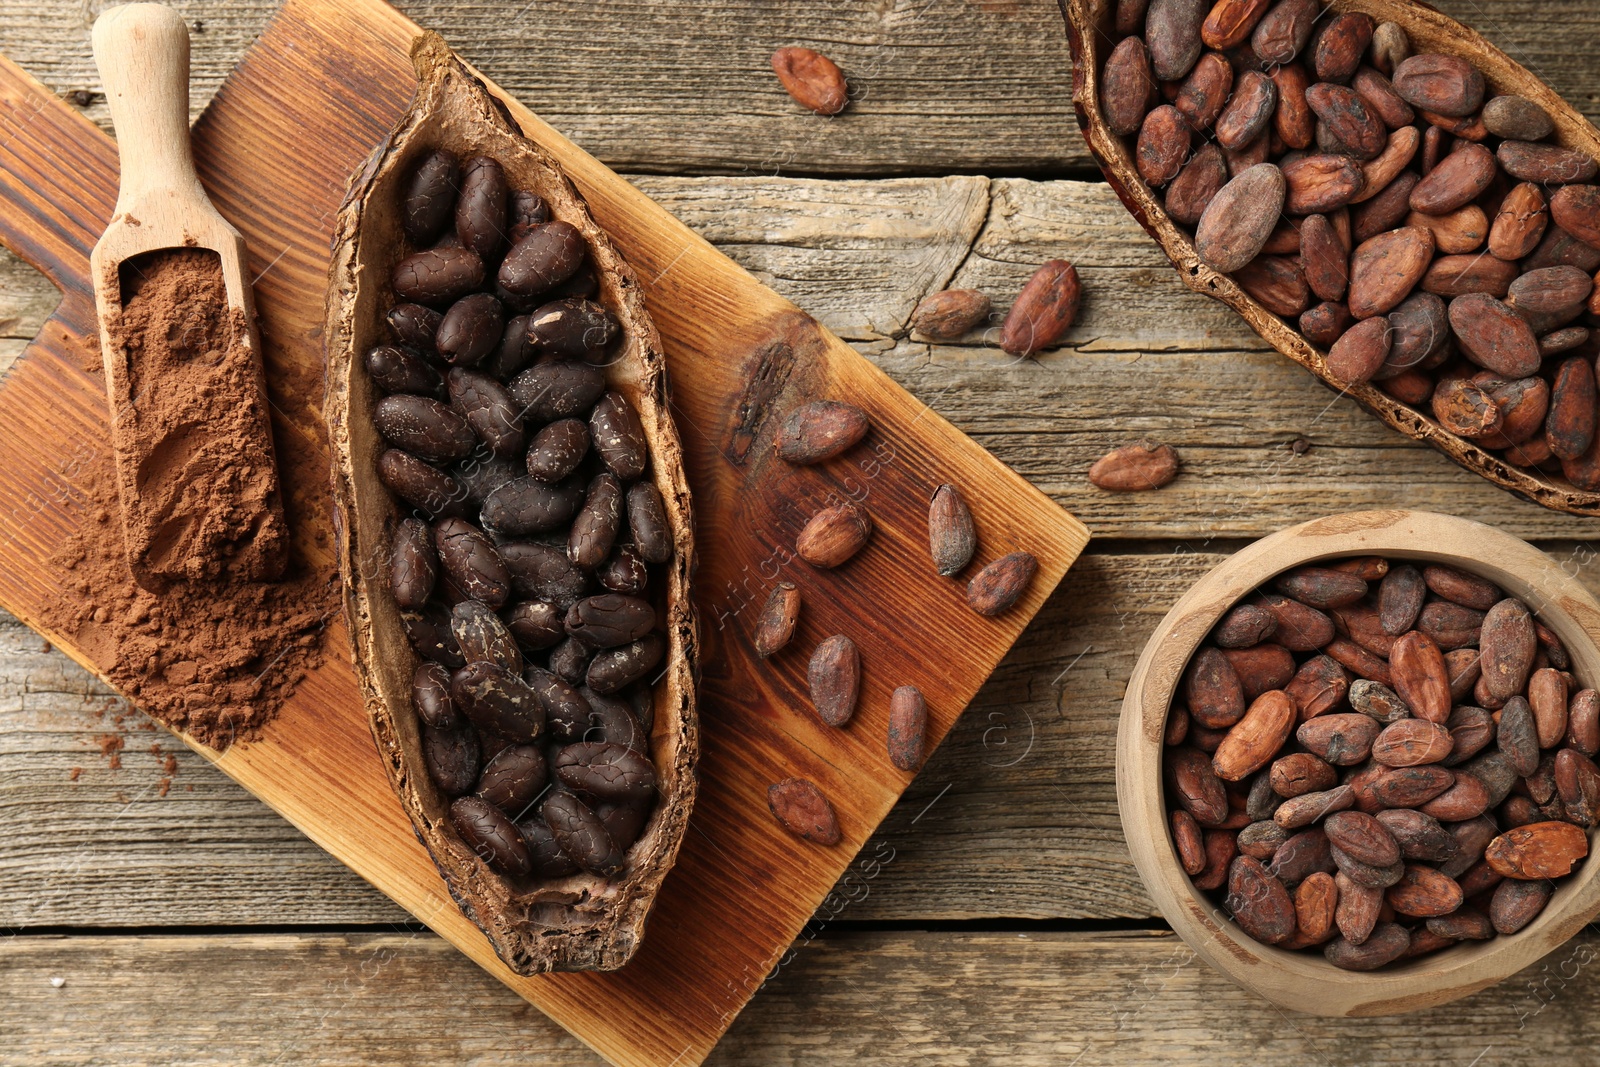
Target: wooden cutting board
point(311, 99)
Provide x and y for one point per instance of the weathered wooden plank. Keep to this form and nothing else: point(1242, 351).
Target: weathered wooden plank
point(671, 86)
point(1015, 815)
point(1022, 999)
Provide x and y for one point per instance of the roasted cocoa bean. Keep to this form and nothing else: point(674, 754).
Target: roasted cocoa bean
point(801, 808)
point(547, 256)
point(492, 836)
point(1047, 306)
point(557, 390)
point(775, 624)
point(995, 588)
point(581, 834)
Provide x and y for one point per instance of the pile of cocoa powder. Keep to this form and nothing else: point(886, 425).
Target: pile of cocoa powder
point(210, 655)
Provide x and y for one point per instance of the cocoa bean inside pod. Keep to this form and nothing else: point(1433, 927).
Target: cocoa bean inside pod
point(477, 305)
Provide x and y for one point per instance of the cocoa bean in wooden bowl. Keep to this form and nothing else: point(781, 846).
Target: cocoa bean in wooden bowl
point(1384, 196)
point(514, 530)
point(1356, 762)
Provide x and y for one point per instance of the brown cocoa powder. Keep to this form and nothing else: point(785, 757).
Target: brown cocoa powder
point(190, 416)
point(211, 655)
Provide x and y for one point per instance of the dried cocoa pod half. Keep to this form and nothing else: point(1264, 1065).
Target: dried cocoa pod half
point(556, 243)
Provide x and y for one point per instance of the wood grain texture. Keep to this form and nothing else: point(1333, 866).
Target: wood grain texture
point(1025, 999)
point(741, 355)
point(977, 86)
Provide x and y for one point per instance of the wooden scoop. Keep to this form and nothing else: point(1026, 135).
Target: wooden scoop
point(189, 424)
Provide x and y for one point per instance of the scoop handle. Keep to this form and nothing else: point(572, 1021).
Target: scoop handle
point(142, 51)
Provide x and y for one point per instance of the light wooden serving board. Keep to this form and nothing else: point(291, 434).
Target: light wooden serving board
point(309, 102)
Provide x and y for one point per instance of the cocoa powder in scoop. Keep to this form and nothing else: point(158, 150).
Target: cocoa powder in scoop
point(190, 413)
point(210, 655)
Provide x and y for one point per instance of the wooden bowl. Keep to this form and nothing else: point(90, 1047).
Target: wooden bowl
point(581, 922)
point(1304, 981)
point(1090, 33)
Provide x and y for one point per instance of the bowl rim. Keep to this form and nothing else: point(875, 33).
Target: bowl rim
point(1300, 980)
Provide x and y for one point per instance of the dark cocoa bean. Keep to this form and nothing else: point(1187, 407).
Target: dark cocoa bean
point(437, 276)
point(614, 669)
point(423, 427)
point(619, 437)
point(573, 328)
point(471, 559)
point(581, 834)
point(481, 209)
point(549, 255)
point(451, 756)
point(595, 529)
point(492, 836)
point(429, 198)
point(394, 370)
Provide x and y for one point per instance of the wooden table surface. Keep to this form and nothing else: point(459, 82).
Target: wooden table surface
point(157, 913)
